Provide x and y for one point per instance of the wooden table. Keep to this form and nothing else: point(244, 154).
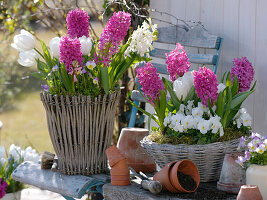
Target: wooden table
point(69, 186)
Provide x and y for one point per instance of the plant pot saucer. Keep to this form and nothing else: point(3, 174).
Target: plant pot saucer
point(230, 188)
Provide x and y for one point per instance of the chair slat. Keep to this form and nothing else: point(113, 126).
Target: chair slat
point(207, 59)
point(195, 37)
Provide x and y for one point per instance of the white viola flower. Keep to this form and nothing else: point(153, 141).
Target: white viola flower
point(182, 109)
point(141, 40)
point(2, 161)
point(260, 149)
point(197, 120)
point(167, 119)
point(90, 65)
point(27, 58)
point(188, 122)
point(54, 46)
point(251, 147)
point(203, 107)
point(197, 112)
point(246, 119)
point(16, 152)
point(2, 151)
point(86, 45)
point(23, 41)
point(178, 127)
point(204, 126)
point(220, 87)
point(176, 119)
point(238, 122)
point(215, 126)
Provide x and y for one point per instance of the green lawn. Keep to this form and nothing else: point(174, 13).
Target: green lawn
point(26, 124)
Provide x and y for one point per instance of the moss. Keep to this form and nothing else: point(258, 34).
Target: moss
point(158, 137)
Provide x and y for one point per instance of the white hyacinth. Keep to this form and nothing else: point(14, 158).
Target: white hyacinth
point(141, 39)
point(16, 152)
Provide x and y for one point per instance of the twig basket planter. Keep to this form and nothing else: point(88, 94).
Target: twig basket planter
point(208, 158)
point(81, 130)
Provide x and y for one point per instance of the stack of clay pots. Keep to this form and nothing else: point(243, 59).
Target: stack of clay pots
point(120, 173)
point(168, 176)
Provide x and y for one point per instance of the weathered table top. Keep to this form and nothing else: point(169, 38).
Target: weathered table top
point(67, 185)
point(136, 192)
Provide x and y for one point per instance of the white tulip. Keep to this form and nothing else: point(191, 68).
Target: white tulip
point(54, 46)
point(220, 87)
point(86, 45)
point(23, 41)
point(27, 58)
point(2, 151)
point(15, 152)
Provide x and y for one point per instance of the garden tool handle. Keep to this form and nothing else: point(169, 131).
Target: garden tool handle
point(153, 186)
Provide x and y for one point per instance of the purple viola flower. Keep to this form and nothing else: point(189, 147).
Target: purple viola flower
point(55, 68)
point(95, 80)
point(242, 142)
point(83, 71)
point(45, 87)
point(247, 155)
point(240, 160)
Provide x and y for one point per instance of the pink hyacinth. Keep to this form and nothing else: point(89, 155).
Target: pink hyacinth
point(113, 34)
point(70, 51)
point(3, 186)
point(78, 23)
point(205, 82)
point(177, 62)
point(244, 72)
point(150, 81)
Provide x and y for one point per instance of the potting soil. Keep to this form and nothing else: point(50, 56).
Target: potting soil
point(186, 181)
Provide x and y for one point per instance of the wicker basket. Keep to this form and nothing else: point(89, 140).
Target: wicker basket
point(81, 130)
point(208, 158)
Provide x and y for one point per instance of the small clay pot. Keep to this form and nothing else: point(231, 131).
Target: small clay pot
point(114, 155)
point(186, 167)
point(249, 192)
point(232, 175)
point(129, 143)
point(120, 183)
point(163, 176)
point(120, 177)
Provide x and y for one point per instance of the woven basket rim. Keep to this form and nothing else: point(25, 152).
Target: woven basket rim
point(145, 141)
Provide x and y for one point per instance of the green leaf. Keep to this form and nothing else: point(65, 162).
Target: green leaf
point(238, 99)
point(163, 104)
point(220, 105)
point(252, 88)
point(222, 80)
point(143, 111)
point(104, 79)
point(168, 85)
point(190, 94)
point(47, 55)
point(210, 108)
point(149, 121)
point(228, 80)
point(66, 79)
point(235, 86)
point(227, 106)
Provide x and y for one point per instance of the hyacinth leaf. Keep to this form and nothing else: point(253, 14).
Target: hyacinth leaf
point(223, 77)
point(168, 85)
point(162, 108)
point(149, 121)
point(209, 106)
point(254, 85)
point(190, 94)
point(38, 75)
point(228, 80)
point(143, 111)
point(47, 55)
point(104, 79)
point(66, 79)
point(240, 98)
point(227, 108)
point(235, 86)
point(220, 104)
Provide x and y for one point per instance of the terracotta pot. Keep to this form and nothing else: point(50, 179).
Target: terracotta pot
point(120, 183)
point(187, 167)
point(232, 175)
point(249, 192)
point(129, 143)
point(257, 175)
point(120, 173)
point(114, 155)
point(163, 176)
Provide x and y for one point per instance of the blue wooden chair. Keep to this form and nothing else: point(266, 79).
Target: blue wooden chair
point(194, 38)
